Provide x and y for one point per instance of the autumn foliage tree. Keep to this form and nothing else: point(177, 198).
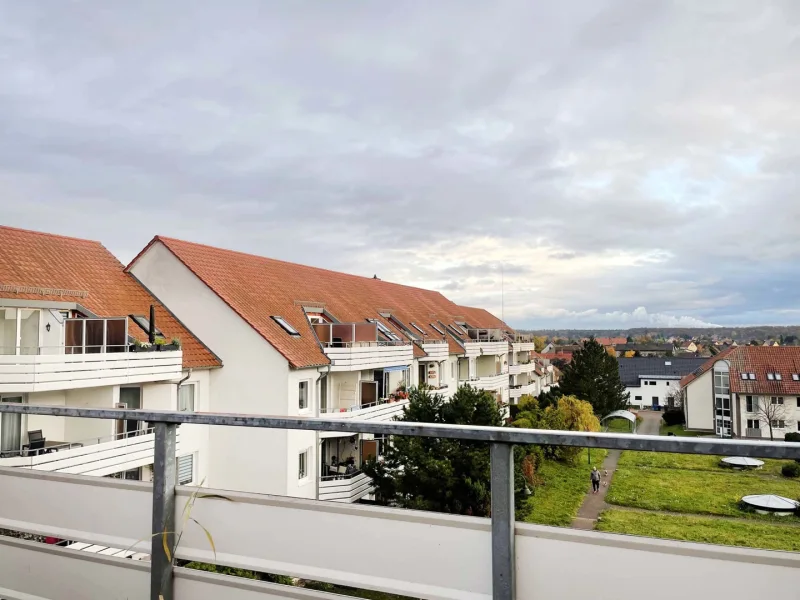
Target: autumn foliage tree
point(593, 376)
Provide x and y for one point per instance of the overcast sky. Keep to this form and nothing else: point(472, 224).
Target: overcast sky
point(623, 163)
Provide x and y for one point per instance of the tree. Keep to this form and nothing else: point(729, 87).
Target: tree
point(539, 342)
point(770, 410)
point(443, 475)
point(675, 398)
point(629, 353)
point(568, 413)
point(593, 376)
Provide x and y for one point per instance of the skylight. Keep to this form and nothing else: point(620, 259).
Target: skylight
point(144, 323)
point(770, 376)
point(417, 327)
point(285, 325)
point(385, 330)
point(437, 329)
point(796, 376)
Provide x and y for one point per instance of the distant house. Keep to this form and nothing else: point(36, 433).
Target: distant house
point(688, 346)
point(608, 341)
point(651, 381)
point(645, 350)
point(727, 395)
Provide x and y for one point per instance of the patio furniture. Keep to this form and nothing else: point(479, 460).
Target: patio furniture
point(35, 445)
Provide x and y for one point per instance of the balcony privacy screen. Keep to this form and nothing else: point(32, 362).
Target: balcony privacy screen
point(101, 335)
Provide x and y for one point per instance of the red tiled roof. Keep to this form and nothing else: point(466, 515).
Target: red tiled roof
point(611, 341)
point(759, 360)
point(52, 262)
point(257, 288)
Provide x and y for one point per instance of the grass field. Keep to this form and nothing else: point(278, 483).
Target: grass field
point(693, 491)
point(558, 500)
point(618, 426)
point(693, 462)
point(702, 529)
point(679, 431)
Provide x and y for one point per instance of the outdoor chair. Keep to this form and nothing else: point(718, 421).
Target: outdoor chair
point(35, 445)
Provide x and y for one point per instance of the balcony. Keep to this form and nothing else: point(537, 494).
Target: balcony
point(436, 349)
point(521, 368)
point(431, 556)
point(345, 488)
point(520, 346)
point(489, 382)
point(95, 353)
point(485, 341)
point(517, 391)
point(378, 411)
point(97, 457)
point(357, 346)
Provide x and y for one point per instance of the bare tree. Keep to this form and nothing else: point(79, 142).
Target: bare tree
point(675, 398)
point(770, 410)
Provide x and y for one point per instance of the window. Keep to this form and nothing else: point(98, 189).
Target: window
point(753, 424)
point(437, 329)
point(777, 400)
point(285, 325)
point(453, 376)
point(749, 404)
point(302, 465)
point(144, 323)
point(185, 469)
point(302, 391)
point(778, 377)
point(798, 403)
point(751, 376)
point(638, 398)
point(385, 330)
point(653, 382)
point(417, 327)
point(186, 397)
point(744, 376)
point(779, 423)
point(796, 376)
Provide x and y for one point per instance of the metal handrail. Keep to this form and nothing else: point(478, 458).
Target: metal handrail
point(501, 441)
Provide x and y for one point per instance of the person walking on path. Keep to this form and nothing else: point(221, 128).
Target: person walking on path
point(595, 476)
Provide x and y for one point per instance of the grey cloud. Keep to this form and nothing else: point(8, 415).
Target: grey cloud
point(394, 140)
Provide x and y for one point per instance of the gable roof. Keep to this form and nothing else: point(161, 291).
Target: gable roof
point(758, 360)
point(609, 341)
point(258, 288)
point(631, 369)
point(49, 265)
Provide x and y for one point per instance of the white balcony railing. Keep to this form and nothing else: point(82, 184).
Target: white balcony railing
point(382, 411)
point(523, 346)
point(436, 350)
point(48, 372)
point(370, 356)
point(521, 368)
point(345, 488)
point(478, 348)
point(521, 390)
point(490, 382)
point(96, 457)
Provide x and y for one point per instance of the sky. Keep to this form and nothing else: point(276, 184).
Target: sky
point(583, 164)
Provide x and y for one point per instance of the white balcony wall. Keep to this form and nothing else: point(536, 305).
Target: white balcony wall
point(254, 379)
point(356, 358)
point(478, 348)
point(41, 373)
point(524, 346)
point(345, 490)
point(431, 556)
point(436, 351)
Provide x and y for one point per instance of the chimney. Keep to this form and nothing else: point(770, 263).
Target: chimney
point(151, 335)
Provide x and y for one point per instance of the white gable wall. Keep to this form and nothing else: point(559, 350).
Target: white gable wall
point(254, 380)
point(698, 402)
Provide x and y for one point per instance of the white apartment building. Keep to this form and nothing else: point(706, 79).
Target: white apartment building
point(72, 327)
point(300, 341)
point(743, 390)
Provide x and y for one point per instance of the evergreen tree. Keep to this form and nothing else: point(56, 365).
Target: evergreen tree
point(443, 475)
point(593, 376)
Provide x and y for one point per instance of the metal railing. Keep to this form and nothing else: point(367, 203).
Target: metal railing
point(501, 442)
point(355, 407)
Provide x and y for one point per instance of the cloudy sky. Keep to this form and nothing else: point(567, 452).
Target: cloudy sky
point(615, 163)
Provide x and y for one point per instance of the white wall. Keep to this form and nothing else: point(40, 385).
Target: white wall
point(53, 428)
point(254, 378)
point(699, 402)
point(194, 438)
point(791, 416)
point(83, 429)
point(301, 441)
point(661, 390)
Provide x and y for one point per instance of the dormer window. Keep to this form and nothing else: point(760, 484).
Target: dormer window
point(285, 326)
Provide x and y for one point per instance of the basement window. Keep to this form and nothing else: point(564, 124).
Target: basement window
point(285, 326)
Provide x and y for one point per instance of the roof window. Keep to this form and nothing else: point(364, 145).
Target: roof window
point(385, 330)
point(795, 376)
point(437, 329)
point(144, 323)
point(285, 326)
point(774, 376)
point(417, 327)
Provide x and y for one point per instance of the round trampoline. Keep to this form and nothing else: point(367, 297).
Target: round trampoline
point(771, 504)
point(742, 462)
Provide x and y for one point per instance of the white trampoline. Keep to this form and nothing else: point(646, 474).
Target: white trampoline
point(771, 504)
point(621, 414)
point(742, 462)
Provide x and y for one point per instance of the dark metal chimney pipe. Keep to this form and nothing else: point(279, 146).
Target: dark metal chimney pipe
point(151, 335)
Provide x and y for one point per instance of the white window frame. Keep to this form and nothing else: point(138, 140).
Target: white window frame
point(307, 384)
point(285, 325)
point(193, 387)
point(303, 463)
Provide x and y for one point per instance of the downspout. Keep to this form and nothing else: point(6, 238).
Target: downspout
point(322, 375)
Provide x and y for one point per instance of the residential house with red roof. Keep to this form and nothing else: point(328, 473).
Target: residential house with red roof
point(302, 341)
point(75, 331)
point(745, 391)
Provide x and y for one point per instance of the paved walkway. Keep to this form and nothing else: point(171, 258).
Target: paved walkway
point(594, 504)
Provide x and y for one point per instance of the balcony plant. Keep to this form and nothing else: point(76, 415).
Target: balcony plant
point(139, 346)
point(162, 344)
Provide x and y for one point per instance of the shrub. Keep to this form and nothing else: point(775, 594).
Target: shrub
point(790, 470)
point(793, 436)
point(674, 417)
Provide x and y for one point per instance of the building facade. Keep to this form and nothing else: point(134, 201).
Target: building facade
point(745, 391)
point(652, 382)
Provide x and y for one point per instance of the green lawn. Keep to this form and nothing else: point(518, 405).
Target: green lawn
point(558, 500)
point(679, 431)
point(702, 529)
point(693, 462)
point(618, 426)
point(693, 491)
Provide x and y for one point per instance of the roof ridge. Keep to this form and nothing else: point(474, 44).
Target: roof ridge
point(166, 240)
point(51, 235)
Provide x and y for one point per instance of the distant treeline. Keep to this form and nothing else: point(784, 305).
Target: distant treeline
point(788, 334)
